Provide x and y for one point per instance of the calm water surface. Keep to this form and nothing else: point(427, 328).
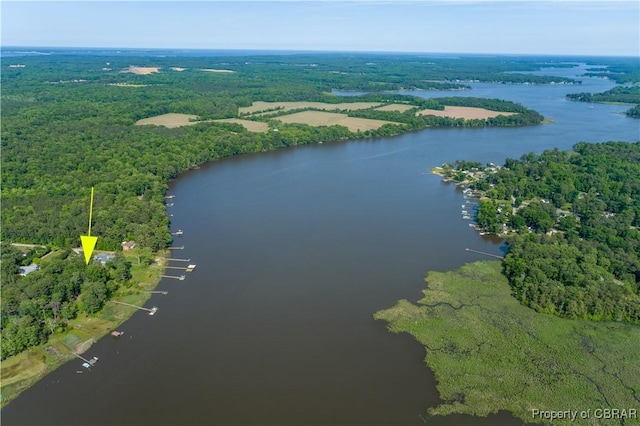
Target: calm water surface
point(295, 251)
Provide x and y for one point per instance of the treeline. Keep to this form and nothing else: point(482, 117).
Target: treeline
point(42, 303)
point(623, 94)
point(624, 70)
point(574, 244)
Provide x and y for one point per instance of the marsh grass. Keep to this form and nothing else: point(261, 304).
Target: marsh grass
point(490, 353)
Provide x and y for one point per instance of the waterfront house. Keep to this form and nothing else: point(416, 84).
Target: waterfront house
point(128, 245)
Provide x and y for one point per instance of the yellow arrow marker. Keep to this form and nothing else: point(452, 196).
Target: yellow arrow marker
point(89, 242)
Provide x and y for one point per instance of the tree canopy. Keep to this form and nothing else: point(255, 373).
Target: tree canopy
point(571, 220)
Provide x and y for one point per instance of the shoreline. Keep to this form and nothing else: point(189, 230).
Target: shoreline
point(462, 321)
point(25, 369)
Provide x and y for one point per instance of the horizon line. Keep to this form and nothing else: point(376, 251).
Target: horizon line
point(302, 50)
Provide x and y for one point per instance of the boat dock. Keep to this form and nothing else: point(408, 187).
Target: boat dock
point(177, 260)
point(482, 252)
point(151, 311)
point(176, 248)
point(181, 277)
point(188, 268)
point(87, 362)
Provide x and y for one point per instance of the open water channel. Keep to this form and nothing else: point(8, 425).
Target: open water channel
point(295, 251)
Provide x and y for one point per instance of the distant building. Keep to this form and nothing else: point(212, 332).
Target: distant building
point(26, 270)
point(128, 245)
point(103, 258)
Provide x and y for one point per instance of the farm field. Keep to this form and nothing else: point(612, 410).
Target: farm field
point(252, 126)
point(468, 113)
point(170, 120)
point(141, 70)
point(395, 107)
point(261, 106)
point(320, 118)
point(173, 120)
point(217, 70)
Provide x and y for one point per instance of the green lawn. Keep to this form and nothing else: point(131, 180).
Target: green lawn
point(490, 353)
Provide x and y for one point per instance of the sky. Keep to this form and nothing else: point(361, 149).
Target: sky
point(555, 27)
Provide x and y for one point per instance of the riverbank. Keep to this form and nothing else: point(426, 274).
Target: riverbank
point(490, 353)
point(21, 371)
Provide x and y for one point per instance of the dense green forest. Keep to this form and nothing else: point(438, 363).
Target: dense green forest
point(622, 94)
point(68, 125)
point(572, 222)
point(621, 70)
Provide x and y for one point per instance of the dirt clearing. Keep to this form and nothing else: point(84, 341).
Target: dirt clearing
point(252, 126)
point(261, 106)
point(170, 120)
point(467, 113)
point(320, 118)
point(215, 70)
point(141, 70)
point(395, 107)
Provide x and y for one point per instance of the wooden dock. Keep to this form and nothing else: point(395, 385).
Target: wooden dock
point(181, 277)
point(189, 268)
point(177, 260)
point(151, 311)
point(482, 252)
point(176, 248)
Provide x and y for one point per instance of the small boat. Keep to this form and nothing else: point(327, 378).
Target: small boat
point(179, 232)
point(117, 333)
point(153, 310)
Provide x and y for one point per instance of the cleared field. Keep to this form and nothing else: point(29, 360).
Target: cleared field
point(170, 120)
point(320, 118)
point(252, 126)
point(261, 106)
point(215, 70)
point(128, 85)
point(141, 70)
point(395, 107)
point(467, 113)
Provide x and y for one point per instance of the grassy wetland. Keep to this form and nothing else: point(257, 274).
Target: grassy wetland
point(490, 353)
